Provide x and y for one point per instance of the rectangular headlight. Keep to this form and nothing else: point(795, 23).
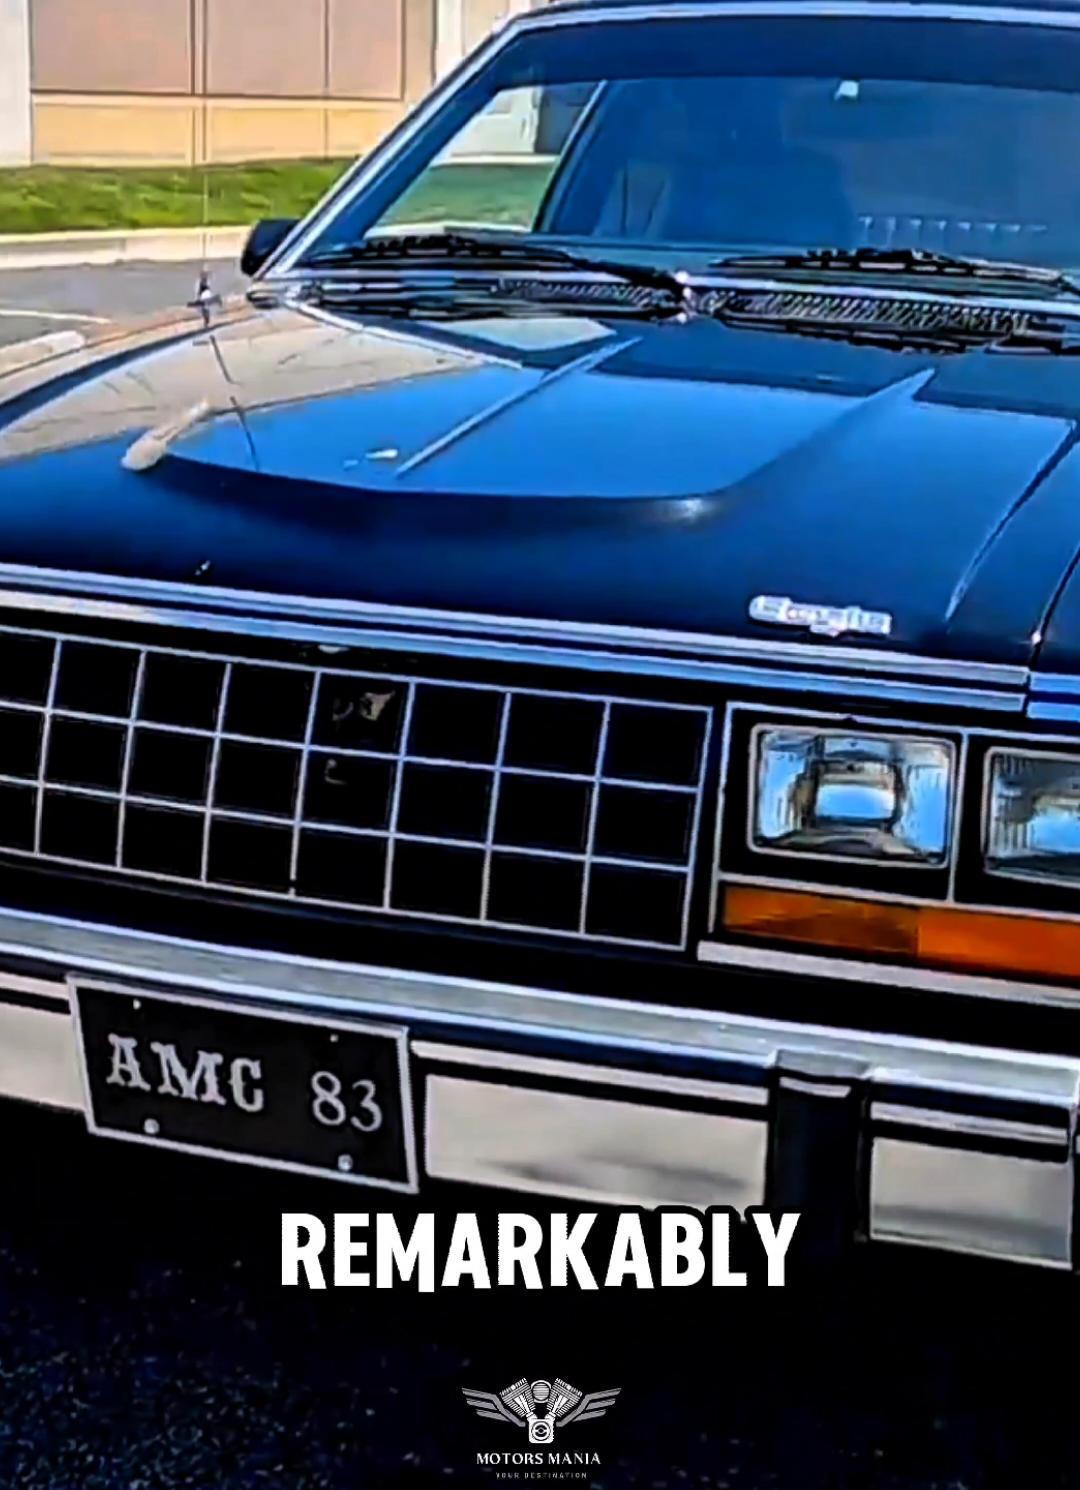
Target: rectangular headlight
point(851, 796)
point(1032, 824)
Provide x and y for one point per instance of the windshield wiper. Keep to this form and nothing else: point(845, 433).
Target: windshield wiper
point(480, 249)
point(900, 261)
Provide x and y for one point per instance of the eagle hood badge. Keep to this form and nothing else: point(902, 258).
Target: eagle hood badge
point(820, 620)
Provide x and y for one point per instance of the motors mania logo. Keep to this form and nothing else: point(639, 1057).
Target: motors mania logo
point(540, 1407)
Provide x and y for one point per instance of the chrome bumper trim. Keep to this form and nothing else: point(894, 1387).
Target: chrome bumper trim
point(589, 1149)
point(838, 969)
point(607, 1101)
point(578, 1071)
point(38, 1058)
point(965, 1201)
point(504, 1011)
point(972, 1125)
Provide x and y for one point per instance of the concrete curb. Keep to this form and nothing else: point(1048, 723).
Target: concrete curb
point(20, 354)
point(144, 246)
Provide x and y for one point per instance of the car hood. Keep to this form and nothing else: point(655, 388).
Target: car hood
point(555, 468)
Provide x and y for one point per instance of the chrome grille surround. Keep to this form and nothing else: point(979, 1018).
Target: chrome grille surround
point(397, 794)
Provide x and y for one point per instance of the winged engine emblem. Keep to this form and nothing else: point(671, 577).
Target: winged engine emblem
point(540, 1405)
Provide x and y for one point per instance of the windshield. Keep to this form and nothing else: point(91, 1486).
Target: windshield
point(722, 134)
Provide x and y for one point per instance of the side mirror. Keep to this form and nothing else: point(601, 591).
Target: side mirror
point(263, 240)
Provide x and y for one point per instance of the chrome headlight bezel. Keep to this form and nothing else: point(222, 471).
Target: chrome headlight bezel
point(1027, 751)
point(966, 877)
point(736, 859)
point(939, 852)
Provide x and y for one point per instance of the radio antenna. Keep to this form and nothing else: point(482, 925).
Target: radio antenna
point(206, 301)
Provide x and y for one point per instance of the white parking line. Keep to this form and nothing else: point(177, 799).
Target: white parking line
point(26, 313)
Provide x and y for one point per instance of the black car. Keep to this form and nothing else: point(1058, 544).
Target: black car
point(573, 684)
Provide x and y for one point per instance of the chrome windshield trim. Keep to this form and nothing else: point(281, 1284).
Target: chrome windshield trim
point(367, 167)
point(307, 618)
point(364, 170)
point(793, 282)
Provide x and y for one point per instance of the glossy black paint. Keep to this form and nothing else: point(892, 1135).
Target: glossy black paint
point(650, 474)
point(264, 239)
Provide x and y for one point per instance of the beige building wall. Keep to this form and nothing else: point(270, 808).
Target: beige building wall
point(187, 81)
point(16, 146)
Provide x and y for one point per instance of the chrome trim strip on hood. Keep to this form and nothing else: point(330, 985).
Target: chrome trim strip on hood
point(141, 595)
point(1052, 683)
point(479, 649)
point(1054, 697)
point(565, 644)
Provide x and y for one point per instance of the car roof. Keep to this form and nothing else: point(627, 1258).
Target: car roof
point(1047, 7)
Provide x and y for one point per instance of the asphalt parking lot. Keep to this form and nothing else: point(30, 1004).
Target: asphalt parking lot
point(37, 302)
point(146, 1344)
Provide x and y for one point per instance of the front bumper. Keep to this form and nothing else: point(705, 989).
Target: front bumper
point(599, 1100)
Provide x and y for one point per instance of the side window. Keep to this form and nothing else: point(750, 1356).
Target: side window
point(495, 171)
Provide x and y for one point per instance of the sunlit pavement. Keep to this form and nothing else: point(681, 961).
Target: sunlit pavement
point(38, 302)
point(146, 1344)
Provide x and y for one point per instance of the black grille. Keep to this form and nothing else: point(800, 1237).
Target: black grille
point(570, 813)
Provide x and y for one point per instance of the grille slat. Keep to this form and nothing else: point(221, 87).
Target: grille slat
point(395, 800)
point(493, 808)
point(590, 836)
point(301, 790)
point(451, 801)
point(211, 789)
point(129, 752)
point(46, 731)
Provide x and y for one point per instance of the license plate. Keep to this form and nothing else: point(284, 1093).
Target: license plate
point(315, 1096)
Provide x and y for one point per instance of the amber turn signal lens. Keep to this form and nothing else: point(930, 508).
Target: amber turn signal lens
point(937, 935)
